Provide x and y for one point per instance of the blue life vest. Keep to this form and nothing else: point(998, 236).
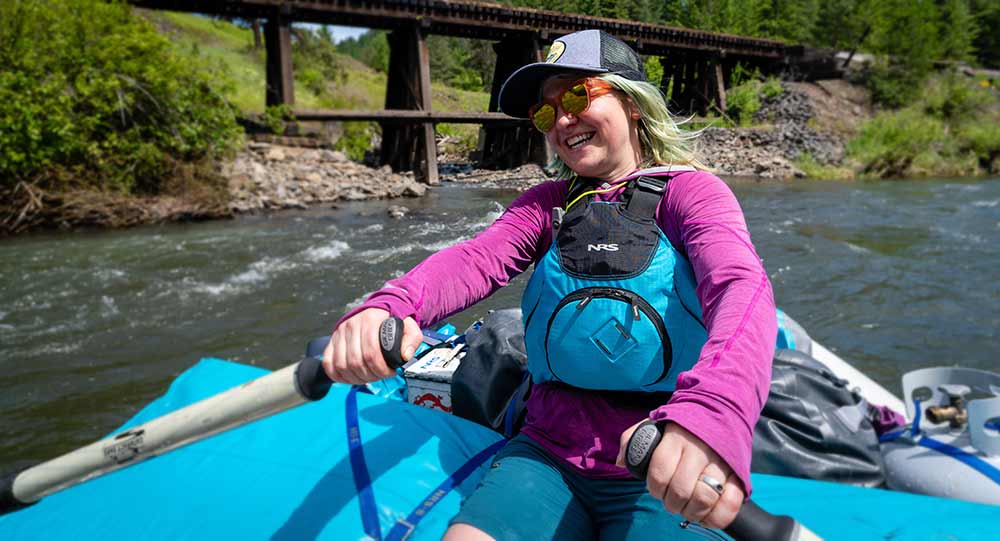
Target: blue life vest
point(612, 304)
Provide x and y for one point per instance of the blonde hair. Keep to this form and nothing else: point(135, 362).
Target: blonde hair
point(661, 139)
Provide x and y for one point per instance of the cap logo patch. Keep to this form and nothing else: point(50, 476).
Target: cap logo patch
point(557, 50)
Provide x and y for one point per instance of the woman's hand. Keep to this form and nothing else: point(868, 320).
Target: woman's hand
point(353, 354)
point(675, 472)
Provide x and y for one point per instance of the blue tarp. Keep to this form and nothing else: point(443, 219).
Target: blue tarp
point(288, 477)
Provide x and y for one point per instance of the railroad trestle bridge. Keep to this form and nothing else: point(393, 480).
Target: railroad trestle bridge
point(696, 64)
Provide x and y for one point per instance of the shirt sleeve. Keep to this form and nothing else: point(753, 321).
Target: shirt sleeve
point(720, 399)
point(461, 275)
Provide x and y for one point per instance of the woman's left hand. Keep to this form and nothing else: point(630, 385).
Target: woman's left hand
point(675, 476)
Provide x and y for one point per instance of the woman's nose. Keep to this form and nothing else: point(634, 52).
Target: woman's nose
point(563, 118)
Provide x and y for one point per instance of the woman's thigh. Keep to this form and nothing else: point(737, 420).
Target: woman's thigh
point(629, 513)
point(524, 496)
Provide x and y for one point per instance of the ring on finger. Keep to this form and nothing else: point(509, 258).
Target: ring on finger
point(713, 483)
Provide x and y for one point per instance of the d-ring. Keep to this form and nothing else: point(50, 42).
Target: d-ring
point(713, 483)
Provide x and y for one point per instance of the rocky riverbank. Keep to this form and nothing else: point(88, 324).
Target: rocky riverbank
point(807, 119)
point(266, 176)
point(813, 119)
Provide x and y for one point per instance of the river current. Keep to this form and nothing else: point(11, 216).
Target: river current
point(890, 275)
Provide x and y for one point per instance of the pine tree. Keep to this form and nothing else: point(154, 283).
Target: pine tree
point(957, 29)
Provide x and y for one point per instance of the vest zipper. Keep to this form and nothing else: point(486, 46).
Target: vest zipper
point(638, 305)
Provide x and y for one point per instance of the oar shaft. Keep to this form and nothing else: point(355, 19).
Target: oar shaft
point(274, 393)
point(267, 395)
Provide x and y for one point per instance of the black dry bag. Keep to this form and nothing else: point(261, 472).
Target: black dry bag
point(491, 384)
point(814, 427)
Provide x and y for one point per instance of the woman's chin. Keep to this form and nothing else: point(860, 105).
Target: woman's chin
point(583, 166)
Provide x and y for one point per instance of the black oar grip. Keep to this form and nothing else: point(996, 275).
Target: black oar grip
point(8, 503)
point(751, 523)
point(310, 378)
point(390, 339)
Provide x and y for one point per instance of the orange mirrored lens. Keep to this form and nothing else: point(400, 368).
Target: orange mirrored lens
point(544, 117)
point(575, 99)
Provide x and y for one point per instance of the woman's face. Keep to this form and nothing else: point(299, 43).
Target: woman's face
point(601, 142)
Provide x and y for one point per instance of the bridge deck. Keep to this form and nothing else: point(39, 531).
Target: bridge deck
point(483, 21)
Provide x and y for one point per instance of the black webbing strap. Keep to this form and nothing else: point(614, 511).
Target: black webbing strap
point(582, 184)
point(643, 195)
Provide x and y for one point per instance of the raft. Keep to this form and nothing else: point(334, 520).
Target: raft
point(297, 476)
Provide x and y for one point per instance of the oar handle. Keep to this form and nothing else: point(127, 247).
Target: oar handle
point(8, 502)
point(751, 523)
point(390, 339)
point(313, 383)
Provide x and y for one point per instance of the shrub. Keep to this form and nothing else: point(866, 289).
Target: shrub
point(951, 129)
point(771, 88)
point(742, 102)
point(888, 144)
point(91, 93)
point(357, 139)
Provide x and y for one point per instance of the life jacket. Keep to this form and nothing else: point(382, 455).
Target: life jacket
point(612, 304)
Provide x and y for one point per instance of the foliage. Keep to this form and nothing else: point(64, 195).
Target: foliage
point(356, 139)
point(743, 98)
point(742, 102)
point(949, 130)
point(370, 48)
point(91, 93)
point(987, 41)
point(275, 117)
point(654, 69)
point(315, 60)
point(813, 169)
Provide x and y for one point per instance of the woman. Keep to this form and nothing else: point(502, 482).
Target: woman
point(647, 301)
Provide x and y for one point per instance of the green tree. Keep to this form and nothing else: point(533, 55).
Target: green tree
point(92, 94)
point(957, 30)
point(839, 24)
point(987, 41)
point(790, 20)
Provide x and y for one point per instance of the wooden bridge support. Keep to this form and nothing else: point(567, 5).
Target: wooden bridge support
point(278, 47)
point(694, 83)
point(508, 147)
point(406, 147)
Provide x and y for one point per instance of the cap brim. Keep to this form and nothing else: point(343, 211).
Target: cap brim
point(520, 91)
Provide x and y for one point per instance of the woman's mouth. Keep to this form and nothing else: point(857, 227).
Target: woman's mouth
point(578, 140)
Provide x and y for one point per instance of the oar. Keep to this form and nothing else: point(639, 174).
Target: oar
point(278, 391)
point(751, 523)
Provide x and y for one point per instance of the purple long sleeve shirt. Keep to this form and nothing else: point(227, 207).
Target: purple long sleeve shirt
point(719, 400)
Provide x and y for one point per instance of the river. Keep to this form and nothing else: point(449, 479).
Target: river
point(891, 275)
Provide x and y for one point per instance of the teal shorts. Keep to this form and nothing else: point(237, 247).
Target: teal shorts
point(529, 495)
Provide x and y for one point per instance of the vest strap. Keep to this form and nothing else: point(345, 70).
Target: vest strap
point(644, 195)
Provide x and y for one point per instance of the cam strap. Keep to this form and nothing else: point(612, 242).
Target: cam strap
point(643, 195)
point(402, 528)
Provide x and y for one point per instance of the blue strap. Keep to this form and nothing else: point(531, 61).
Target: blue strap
point(968, 459)
point(916, 417)
point(362, 480)
point(403, 528)
point(508, 418)
point(889, 436)
point(363, 483)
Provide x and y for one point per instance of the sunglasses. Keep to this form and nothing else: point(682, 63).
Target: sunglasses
point(574, 100)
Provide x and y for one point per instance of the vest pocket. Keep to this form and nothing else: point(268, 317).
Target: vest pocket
point(607, 338)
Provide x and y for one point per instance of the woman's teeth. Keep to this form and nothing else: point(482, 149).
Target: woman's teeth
point(578, 140)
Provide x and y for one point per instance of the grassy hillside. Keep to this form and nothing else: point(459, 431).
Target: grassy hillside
point(355, 85)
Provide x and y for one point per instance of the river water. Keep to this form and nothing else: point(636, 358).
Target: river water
point(892, 276)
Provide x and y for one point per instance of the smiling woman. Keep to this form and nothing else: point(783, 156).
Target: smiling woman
point(647, 301)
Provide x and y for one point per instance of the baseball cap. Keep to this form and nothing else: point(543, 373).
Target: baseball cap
point(584, 52)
